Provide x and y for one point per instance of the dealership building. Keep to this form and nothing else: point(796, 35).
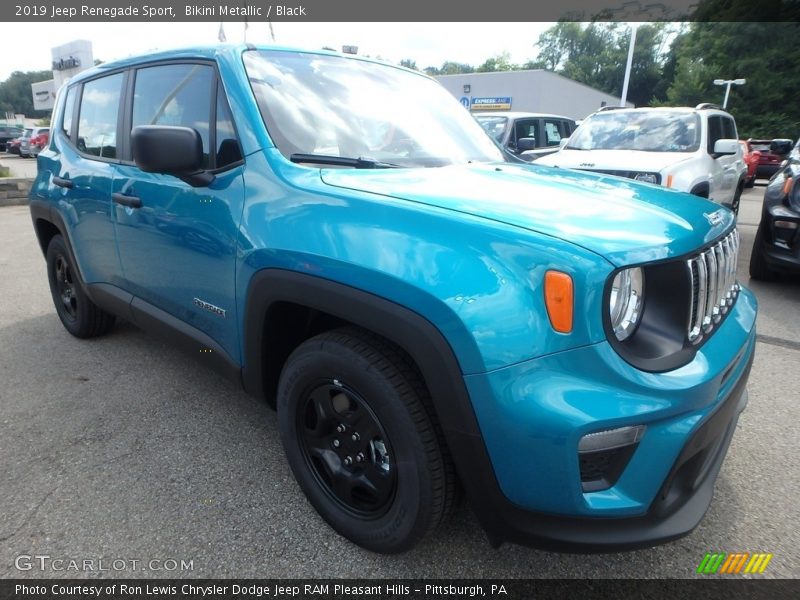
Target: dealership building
point(536, 91)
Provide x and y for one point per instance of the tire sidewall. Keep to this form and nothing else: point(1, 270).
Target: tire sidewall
point(73, 324)
point(406, 520)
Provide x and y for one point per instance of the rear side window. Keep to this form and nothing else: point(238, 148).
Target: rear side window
point(178, 95)
point(552, 133)
point(97, 124)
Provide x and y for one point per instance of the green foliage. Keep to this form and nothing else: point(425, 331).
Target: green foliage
point(409, 64)
point(765, 54)
point(501, 62)
point(450, 68)
point(16, 96)
point(596, 54)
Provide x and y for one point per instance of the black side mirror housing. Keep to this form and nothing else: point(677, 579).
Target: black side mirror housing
point(781, 147)
point(526, 143)
point(170, 150)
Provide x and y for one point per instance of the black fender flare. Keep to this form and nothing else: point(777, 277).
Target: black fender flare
point(417, 336)
point(700, 187)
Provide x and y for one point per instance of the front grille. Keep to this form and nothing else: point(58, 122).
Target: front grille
point(625, 174)
point(714, 288)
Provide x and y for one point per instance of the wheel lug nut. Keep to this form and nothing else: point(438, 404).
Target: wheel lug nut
point(355, 437)
point(336, 443)
point(340, 428)
point(348, 461)
point(360, 457)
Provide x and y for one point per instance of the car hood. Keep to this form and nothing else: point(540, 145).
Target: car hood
point(624, 221)
point(615, 160)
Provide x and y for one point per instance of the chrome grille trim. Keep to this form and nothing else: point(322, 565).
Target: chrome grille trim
point(713, 286)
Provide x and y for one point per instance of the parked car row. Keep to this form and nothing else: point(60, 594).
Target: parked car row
point(26, 142)
point(7, 134)
point(777, 245)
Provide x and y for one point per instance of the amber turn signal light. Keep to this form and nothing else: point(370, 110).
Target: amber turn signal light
point(559, 299)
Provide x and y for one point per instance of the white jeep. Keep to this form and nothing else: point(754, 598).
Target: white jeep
point(694, 150)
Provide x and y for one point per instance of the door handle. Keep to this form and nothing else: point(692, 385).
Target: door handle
point(129, 201)
point(61, 182)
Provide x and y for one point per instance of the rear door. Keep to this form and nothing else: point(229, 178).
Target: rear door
point(82, 172)
point(177, 243)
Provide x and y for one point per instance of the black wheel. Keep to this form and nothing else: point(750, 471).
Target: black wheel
point(359, 435)
point(759, 269)
point(80, 316)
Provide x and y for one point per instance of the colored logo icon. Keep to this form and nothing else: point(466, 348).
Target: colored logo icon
point(735, 563)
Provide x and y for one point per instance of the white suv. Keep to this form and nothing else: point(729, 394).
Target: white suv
point(694, 150)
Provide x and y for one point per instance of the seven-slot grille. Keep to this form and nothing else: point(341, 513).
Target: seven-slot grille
point(714, 288)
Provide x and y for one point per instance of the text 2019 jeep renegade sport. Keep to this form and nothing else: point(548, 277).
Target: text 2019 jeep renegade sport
point(342, 238)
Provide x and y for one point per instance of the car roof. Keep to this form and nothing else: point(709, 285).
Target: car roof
point(519, 115)
point(212, 52)
point(685, 109)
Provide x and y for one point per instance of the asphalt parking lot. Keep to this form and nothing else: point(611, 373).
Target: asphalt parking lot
point(123, 448)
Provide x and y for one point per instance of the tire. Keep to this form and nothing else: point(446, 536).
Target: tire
point(79, 315)
point(759, 269)
point(349, 394)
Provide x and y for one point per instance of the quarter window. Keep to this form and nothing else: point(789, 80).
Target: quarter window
point(227, 151)
point(552, 135)
point(97, 125)
point(69, 109)
point(178, 95)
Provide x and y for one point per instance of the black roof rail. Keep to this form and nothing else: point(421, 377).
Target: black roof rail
point(708, 106)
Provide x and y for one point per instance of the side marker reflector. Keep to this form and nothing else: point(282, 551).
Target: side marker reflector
point(559, 299)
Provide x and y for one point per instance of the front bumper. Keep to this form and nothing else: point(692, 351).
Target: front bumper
point(532, 416)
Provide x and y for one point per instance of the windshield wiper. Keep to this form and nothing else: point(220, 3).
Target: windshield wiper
point(342, 161)
point(573, 148)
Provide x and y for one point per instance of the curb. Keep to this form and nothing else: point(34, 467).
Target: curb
point(14, 191)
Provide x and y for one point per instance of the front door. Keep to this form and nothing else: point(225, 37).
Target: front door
point(177, 243)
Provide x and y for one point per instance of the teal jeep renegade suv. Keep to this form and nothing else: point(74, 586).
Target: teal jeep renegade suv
point(427, 315)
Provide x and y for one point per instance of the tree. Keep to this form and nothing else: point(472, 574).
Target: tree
point(409, 64)
point(501, 62)
point(596, 54)
point(16, 95)
point(450, 68)
point(765, 54)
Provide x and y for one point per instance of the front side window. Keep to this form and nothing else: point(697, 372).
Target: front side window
point(97, 124)
point(177, 95)
point(353, 108)
point(646, 130)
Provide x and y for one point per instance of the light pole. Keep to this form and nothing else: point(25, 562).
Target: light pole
point(625, 81)
point(727, 83)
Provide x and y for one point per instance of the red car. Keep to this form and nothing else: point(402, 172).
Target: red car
point(769, 163)
point(751, 158)
point(38, 142)
point(12, 147)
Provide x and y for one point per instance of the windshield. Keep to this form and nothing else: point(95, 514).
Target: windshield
point(494, 126)
point(648, 131)
point(337, 106)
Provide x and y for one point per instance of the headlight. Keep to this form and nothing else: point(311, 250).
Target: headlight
point(626, 301)
point(646, 177)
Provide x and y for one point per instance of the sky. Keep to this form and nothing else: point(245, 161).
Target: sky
point(27, 45)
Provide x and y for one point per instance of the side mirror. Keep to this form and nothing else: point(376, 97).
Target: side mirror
point(174, 151)
point(525, 144)
point(781, 147)
point(725, 147)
